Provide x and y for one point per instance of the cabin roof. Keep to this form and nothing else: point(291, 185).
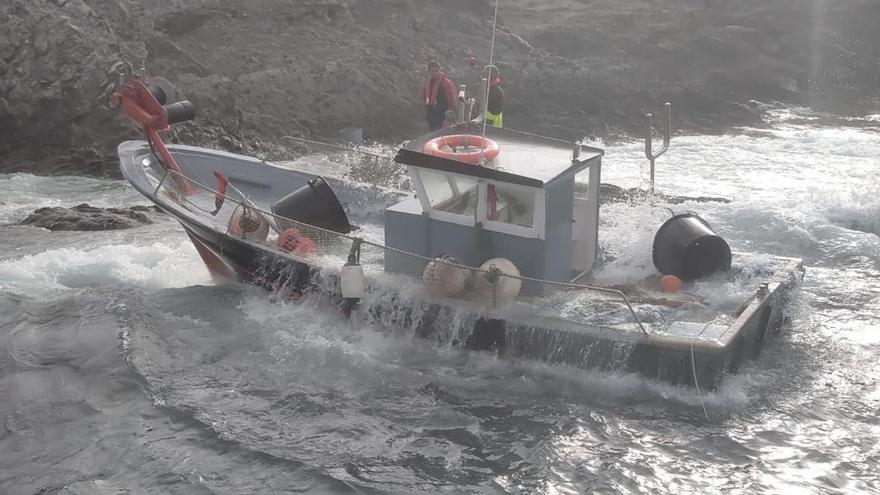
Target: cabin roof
point(524, 159)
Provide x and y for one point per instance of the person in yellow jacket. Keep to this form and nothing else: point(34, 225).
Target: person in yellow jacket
point(494, 116)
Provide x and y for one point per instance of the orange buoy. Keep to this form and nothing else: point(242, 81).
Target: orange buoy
point(442, 278)
point(248, 223)
point(293, 241)
point(465, 148)
point(670, 283)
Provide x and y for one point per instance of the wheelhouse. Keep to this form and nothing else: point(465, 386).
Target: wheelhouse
point(536, 203)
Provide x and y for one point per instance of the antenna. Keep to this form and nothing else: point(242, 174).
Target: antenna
point(489, 68)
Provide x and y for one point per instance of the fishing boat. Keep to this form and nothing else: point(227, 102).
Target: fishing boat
point(493, 250)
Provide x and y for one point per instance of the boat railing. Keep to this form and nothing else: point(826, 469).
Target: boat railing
point(486, 287)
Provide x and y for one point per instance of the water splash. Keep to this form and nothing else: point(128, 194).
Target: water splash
point(167, 263)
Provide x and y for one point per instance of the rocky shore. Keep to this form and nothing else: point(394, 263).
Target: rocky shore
point(90, 218)
point(264, 69)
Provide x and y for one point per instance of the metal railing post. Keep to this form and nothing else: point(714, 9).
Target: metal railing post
point(462, 104)
point(649, 139)
point(161, 182)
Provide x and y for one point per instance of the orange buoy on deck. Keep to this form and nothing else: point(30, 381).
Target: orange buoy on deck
point(670, 283)
point(465, 148)
point(248, 223)
point(442, 277)
point(293, 241)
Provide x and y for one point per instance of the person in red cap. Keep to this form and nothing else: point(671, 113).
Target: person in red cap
point(439, 95)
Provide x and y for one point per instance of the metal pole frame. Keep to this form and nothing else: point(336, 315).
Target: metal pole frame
point(649, 139)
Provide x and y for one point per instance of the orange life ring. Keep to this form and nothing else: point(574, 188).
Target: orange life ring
point(473, 148)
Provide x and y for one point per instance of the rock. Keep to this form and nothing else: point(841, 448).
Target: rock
point(56, 59)
point(6, 46)
point(610, 193)
point(229, 143)
point(321, 65)
point(89, 218)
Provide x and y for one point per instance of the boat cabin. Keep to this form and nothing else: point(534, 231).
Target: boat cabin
point(535, 203)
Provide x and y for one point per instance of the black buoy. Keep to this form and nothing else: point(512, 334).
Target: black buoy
point(687, 247)
point(162, 89)
point(180, 111)
point(314, 204)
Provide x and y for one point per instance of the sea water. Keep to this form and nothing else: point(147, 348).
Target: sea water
point(125, 368)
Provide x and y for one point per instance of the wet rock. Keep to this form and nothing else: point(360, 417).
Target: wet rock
point(85, 217)
point(6, 46)
point(610, 193)
point(310, 68)
point(230, 144)
point(56, 59)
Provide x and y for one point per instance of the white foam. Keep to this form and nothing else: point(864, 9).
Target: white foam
point(859, 209)
point(627, 234)
point(168, 263)
point(306, 337)
point(769, 168)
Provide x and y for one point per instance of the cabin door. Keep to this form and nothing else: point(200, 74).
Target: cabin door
point(585, 215)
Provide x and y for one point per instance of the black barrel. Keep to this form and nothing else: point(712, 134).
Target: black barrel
point(180, 111)
point(162, 89)
point(313, 204)
point(687, 247)
point(158, 92)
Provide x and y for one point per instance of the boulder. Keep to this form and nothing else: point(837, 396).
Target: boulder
point(89, 218)
point(314, 67)
point(610, 193)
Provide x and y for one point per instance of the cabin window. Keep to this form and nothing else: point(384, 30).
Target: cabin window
point(582, 184)
point(511, 204)
point(449, 192)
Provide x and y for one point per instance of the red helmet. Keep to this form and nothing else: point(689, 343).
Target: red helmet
point(472, 60)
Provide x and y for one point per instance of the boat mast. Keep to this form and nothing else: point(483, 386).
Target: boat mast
point(488, 78)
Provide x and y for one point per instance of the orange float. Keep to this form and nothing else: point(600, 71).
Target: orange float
point(293, 241)
point(465, 148)
point(248, 223)
point(670, 283)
